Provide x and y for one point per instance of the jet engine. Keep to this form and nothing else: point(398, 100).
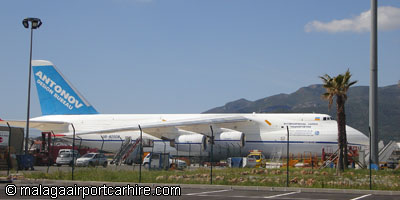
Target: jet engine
point(230, 137)
point(192, 142)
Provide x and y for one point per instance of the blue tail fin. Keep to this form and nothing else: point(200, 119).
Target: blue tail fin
point(56, 95)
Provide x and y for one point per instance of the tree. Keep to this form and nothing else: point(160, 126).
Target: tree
point(337, 87)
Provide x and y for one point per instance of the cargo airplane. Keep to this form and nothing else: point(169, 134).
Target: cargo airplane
point(63, 106)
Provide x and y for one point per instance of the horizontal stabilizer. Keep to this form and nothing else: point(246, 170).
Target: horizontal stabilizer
point(44, 126)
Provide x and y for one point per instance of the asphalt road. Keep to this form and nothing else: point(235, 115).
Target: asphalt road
point(220, 194)
point(199, 192)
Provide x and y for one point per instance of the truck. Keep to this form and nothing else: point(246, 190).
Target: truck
point(160, 161)
point(258, 157)
point(46, 153)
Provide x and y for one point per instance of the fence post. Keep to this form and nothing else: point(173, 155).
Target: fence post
point(9, 149)
point(177, 154)
point(211, 157)
point(287, 158)
point(73, 151)
point(140, 155)
point(102, 142)
point(190, 159)
point(51, 150)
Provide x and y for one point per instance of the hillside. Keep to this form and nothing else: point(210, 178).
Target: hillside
point(308, 100)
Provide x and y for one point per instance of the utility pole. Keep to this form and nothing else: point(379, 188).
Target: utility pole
point(35, 23)
point(373, 88)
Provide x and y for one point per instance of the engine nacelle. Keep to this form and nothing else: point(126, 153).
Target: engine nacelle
point(230, 137)
point(193, 142)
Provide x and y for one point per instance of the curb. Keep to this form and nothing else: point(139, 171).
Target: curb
point(198, 186)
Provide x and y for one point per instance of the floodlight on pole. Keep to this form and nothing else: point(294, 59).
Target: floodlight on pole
point(35, 23)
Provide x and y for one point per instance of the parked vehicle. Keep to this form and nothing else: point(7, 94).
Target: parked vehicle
point(154, 160)
point(46, 153)
point(258, 157)
point(65, 157)
point(92, 159)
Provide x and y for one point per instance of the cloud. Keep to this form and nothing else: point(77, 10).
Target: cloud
point(388, 19)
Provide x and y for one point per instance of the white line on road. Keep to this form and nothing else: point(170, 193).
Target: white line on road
point(367, 195)
point(207, 192)
point(279, 195)
point(242, 197)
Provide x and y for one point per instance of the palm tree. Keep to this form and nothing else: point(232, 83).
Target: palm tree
point(338, 87)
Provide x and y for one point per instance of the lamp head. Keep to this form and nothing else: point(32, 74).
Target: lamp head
point(36, 22)
point(25, 23)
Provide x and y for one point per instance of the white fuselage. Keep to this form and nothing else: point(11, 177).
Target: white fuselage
point(308, 133)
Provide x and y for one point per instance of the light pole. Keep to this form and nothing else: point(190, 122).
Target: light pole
point(35, 23)
point(373, 87)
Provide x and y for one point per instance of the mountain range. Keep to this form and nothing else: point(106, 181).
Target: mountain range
point(308, 100)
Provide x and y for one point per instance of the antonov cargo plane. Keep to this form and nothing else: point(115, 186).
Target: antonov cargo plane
point(62, 105)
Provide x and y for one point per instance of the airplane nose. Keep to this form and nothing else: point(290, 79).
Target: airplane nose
point(356, 137)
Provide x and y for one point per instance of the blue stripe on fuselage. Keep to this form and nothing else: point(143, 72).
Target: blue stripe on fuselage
point(249, 141)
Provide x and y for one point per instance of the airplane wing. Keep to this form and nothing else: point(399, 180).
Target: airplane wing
point(56, 126)
point(163, 128)
point(160, 129)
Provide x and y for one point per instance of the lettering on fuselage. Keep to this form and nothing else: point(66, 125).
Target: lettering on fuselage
point(111, 136)
point(302, 129)
point(300, 125)
point(302, 133)
point(57, 91)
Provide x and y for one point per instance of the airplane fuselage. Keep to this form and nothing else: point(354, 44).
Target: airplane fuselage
point(308, 133)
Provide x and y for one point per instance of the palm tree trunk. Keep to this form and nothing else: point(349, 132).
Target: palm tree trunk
point(341, 121)
point(345, 150)
point(339, 162)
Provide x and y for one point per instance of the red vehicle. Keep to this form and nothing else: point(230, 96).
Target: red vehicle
point(47, 154)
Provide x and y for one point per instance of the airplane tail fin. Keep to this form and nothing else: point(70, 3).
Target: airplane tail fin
point(56, 94)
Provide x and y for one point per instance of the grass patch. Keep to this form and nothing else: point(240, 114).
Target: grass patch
point(325, 178)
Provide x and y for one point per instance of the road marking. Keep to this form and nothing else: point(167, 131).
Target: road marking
point(292, 198)
point(242, 197)
point(279, 195)
point(207, 192)
point(367, 195)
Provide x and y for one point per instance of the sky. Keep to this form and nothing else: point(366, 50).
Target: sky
point(188, 56)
